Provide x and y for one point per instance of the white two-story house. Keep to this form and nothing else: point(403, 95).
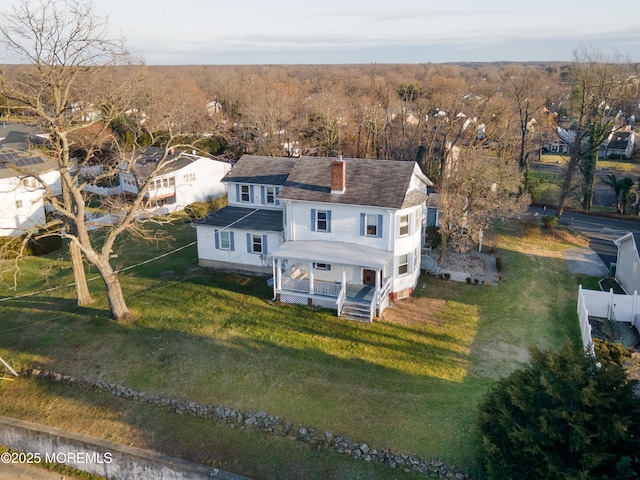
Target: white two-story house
point(184, 179)
point(24, 179)
point(335, 233)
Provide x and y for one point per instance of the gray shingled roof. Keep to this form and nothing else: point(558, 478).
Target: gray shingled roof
point(147, 161)
point(245, 219)
point(377, 183)
point(261, 170)
point(619, 141)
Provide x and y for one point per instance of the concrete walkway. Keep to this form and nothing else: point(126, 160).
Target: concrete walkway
point(586, 262)
point(17, 471)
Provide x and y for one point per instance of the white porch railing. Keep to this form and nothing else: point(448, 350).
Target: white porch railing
point(330, 289)
point(295, 284)
point(342, 296)
point(384, 290)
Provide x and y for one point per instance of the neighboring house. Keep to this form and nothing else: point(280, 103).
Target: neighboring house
point(21, 195)
point(618, 145)
point(561, 144)
point(186, 178)
point(628, 264)
point(334, 233)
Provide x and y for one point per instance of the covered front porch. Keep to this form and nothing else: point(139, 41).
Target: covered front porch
point(352, 279)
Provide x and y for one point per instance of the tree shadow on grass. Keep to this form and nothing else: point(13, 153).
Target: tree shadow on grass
point(280, 359)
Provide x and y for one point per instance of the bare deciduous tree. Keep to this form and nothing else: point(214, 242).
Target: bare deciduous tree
point(73, 77)
point(598, 89)
point(474, 190)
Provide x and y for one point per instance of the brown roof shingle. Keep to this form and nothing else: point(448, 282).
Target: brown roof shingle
point(377, 183)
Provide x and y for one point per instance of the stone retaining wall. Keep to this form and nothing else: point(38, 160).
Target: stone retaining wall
point(270, 424)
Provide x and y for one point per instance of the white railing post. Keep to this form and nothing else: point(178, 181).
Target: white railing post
point(634, 308)
point(611, 315)
point(341, 298)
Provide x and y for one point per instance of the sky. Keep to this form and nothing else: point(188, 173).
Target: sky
point(184, 32)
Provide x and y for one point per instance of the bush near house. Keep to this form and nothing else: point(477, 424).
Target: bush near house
point(37, 245)
point(197, 210)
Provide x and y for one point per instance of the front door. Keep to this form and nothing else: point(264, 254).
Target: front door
point(368, 277)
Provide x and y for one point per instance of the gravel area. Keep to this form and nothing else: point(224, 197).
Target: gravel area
point(469, 263)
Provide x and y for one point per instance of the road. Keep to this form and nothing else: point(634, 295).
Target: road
point(602, 231)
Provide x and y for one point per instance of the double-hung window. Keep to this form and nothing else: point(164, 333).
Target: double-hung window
point(404, 225)
point(245, 193)
point(322, 221)
point(403, 264)
point(372, 225)
point(225, 240)
point(18, 204)
point(189, 177)
point(270, 195)
point(256, 243)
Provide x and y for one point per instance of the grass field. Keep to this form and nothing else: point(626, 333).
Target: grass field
point(614, 165)
point(410, 382)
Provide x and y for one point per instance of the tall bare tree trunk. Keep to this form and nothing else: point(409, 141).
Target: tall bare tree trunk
point(117, 304)
point(564, 191)
point(77, 264)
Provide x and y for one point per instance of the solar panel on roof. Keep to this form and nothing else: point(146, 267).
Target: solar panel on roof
point(19, 161)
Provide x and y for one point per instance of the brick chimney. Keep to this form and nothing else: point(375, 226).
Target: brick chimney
point(338, 175)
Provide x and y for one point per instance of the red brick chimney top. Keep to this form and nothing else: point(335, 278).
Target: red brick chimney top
point(338, 175)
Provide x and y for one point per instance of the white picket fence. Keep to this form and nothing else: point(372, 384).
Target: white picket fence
point(617, 307)
point(585, 326)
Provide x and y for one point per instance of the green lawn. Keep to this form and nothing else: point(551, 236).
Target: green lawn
point(411, 382)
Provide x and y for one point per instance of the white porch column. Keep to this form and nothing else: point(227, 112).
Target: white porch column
point(310, 278)
point(376, 295)
point(275, 276)
point(343, 278)
point(278, 279)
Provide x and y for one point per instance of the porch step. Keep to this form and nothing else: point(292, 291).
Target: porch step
point(355, 311)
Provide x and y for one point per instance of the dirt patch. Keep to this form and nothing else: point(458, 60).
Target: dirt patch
point(415, 311)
